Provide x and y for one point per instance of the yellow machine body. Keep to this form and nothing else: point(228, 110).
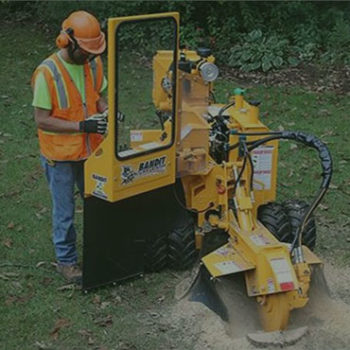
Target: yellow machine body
point(270, 274)
point(103, 169)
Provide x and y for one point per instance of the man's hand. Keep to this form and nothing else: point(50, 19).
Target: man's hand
point(95, 124)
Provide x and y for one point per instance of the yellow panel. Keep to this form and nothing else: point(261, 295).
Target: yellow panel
point(106, 176)
point(225, 261)
point(310, 257)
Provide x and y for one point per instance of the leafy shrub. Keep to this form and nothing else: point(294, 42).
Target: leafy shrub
point(251, 35)
point(259, 52)
point(337, 44)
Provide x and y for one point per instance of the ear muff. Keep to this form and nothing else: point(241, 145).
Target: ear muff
point(64, 38)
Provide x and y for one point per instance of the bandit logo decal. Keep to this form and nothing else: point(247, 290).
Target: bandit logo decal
point(147, 168)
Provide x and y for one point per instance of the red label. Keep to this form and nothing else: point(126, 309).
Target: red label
point(287, 286)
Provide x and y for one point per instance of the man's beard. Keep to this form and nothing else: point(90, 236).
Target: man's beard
point(75, 56)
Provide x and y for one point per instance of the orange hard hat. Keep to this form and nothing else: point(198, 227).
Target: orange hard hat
point(85, 29)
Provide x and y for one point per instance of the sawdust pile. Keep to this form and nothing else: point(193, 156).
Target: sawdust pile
point(327, 318)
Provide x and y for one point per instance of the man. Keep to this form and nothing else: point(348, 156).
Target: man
point(67, 87)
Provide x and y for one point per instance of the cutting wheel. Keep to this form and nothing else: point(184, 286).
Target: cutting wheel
point(274, 311)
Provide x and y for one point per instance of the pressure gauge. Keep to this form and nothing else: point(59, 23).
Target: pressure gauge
point(209, 71)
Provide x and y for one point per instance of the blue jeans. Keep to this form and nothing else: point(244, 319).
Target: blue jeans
point(62, 176)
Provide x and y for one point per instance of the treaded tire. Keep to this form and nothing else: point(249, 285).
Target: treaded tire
point(182, 251)
point(156, 257)
point(274, 218)
point(295, 209)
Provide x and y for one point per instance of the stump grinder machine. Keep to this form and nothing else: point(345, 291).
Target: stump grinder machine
point(177, 169)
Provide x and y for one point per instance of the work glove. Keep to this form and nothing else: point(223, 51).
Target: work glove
point(120, 115)
point(96, 123)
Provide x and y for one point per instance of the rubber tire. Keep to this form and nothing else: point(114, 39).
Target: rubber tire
point(156, 257)
point(274, 218)
point(182, 251)
point(295, 209)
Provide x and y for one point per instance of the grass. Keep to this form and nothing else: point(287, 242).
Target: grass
point(35, 312)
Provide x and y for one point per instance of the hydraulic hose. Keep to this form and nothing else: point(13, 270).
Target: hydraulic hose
point(310, 141)
point(326, 164)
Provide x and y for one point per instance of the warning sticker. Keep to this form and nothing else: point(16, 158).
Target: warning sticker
point(224, 251)
point(283, 273)
point(136, 136)
point(227, 267)
point(260, 240)
point(270, 285)
point(100, 183)
point(262, 161)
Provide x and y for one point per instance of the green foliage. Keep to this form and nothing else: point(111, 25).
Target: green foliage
point(292, 32)
point(259, 52)
point(338, 44)
point(133, 315)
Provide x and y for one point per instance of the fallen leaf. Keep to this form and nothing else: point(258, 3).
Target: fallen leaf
point(96, 299)
point(161, 299)
point(60, 323)
point(67, 287)
point(11, 274)
point(105, 304)
point(10, 300)
point(42, 345)
point(8, 242)
point(40, 263)
point(104, 321)
point(11, 225)
point(43, 210)
point(13, 299)
point(118, 299)
point(85, 332)
point(46, 281)
point(323, 207)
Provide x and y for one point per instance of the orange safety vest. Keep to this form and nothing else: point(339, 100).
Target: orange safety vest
point(67, 104)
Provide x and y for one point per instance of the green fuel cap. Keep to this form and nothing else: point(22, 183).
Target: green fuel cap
point(238, 91)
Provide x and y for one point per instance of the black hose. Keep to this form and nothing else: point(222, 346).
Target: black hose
point(194, 211)
point(326, 164)
point(222, 110)
point(310, 141)
point(240, 174)
point(251, 167)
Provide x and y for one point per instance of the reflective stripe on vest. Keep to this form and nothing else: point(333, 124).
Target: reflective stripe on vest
point(60, 85)
point(93, 68)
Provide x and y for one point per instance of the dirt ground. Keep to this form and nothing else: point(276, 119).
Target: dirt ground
point(327, 317)
point(312, 77)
